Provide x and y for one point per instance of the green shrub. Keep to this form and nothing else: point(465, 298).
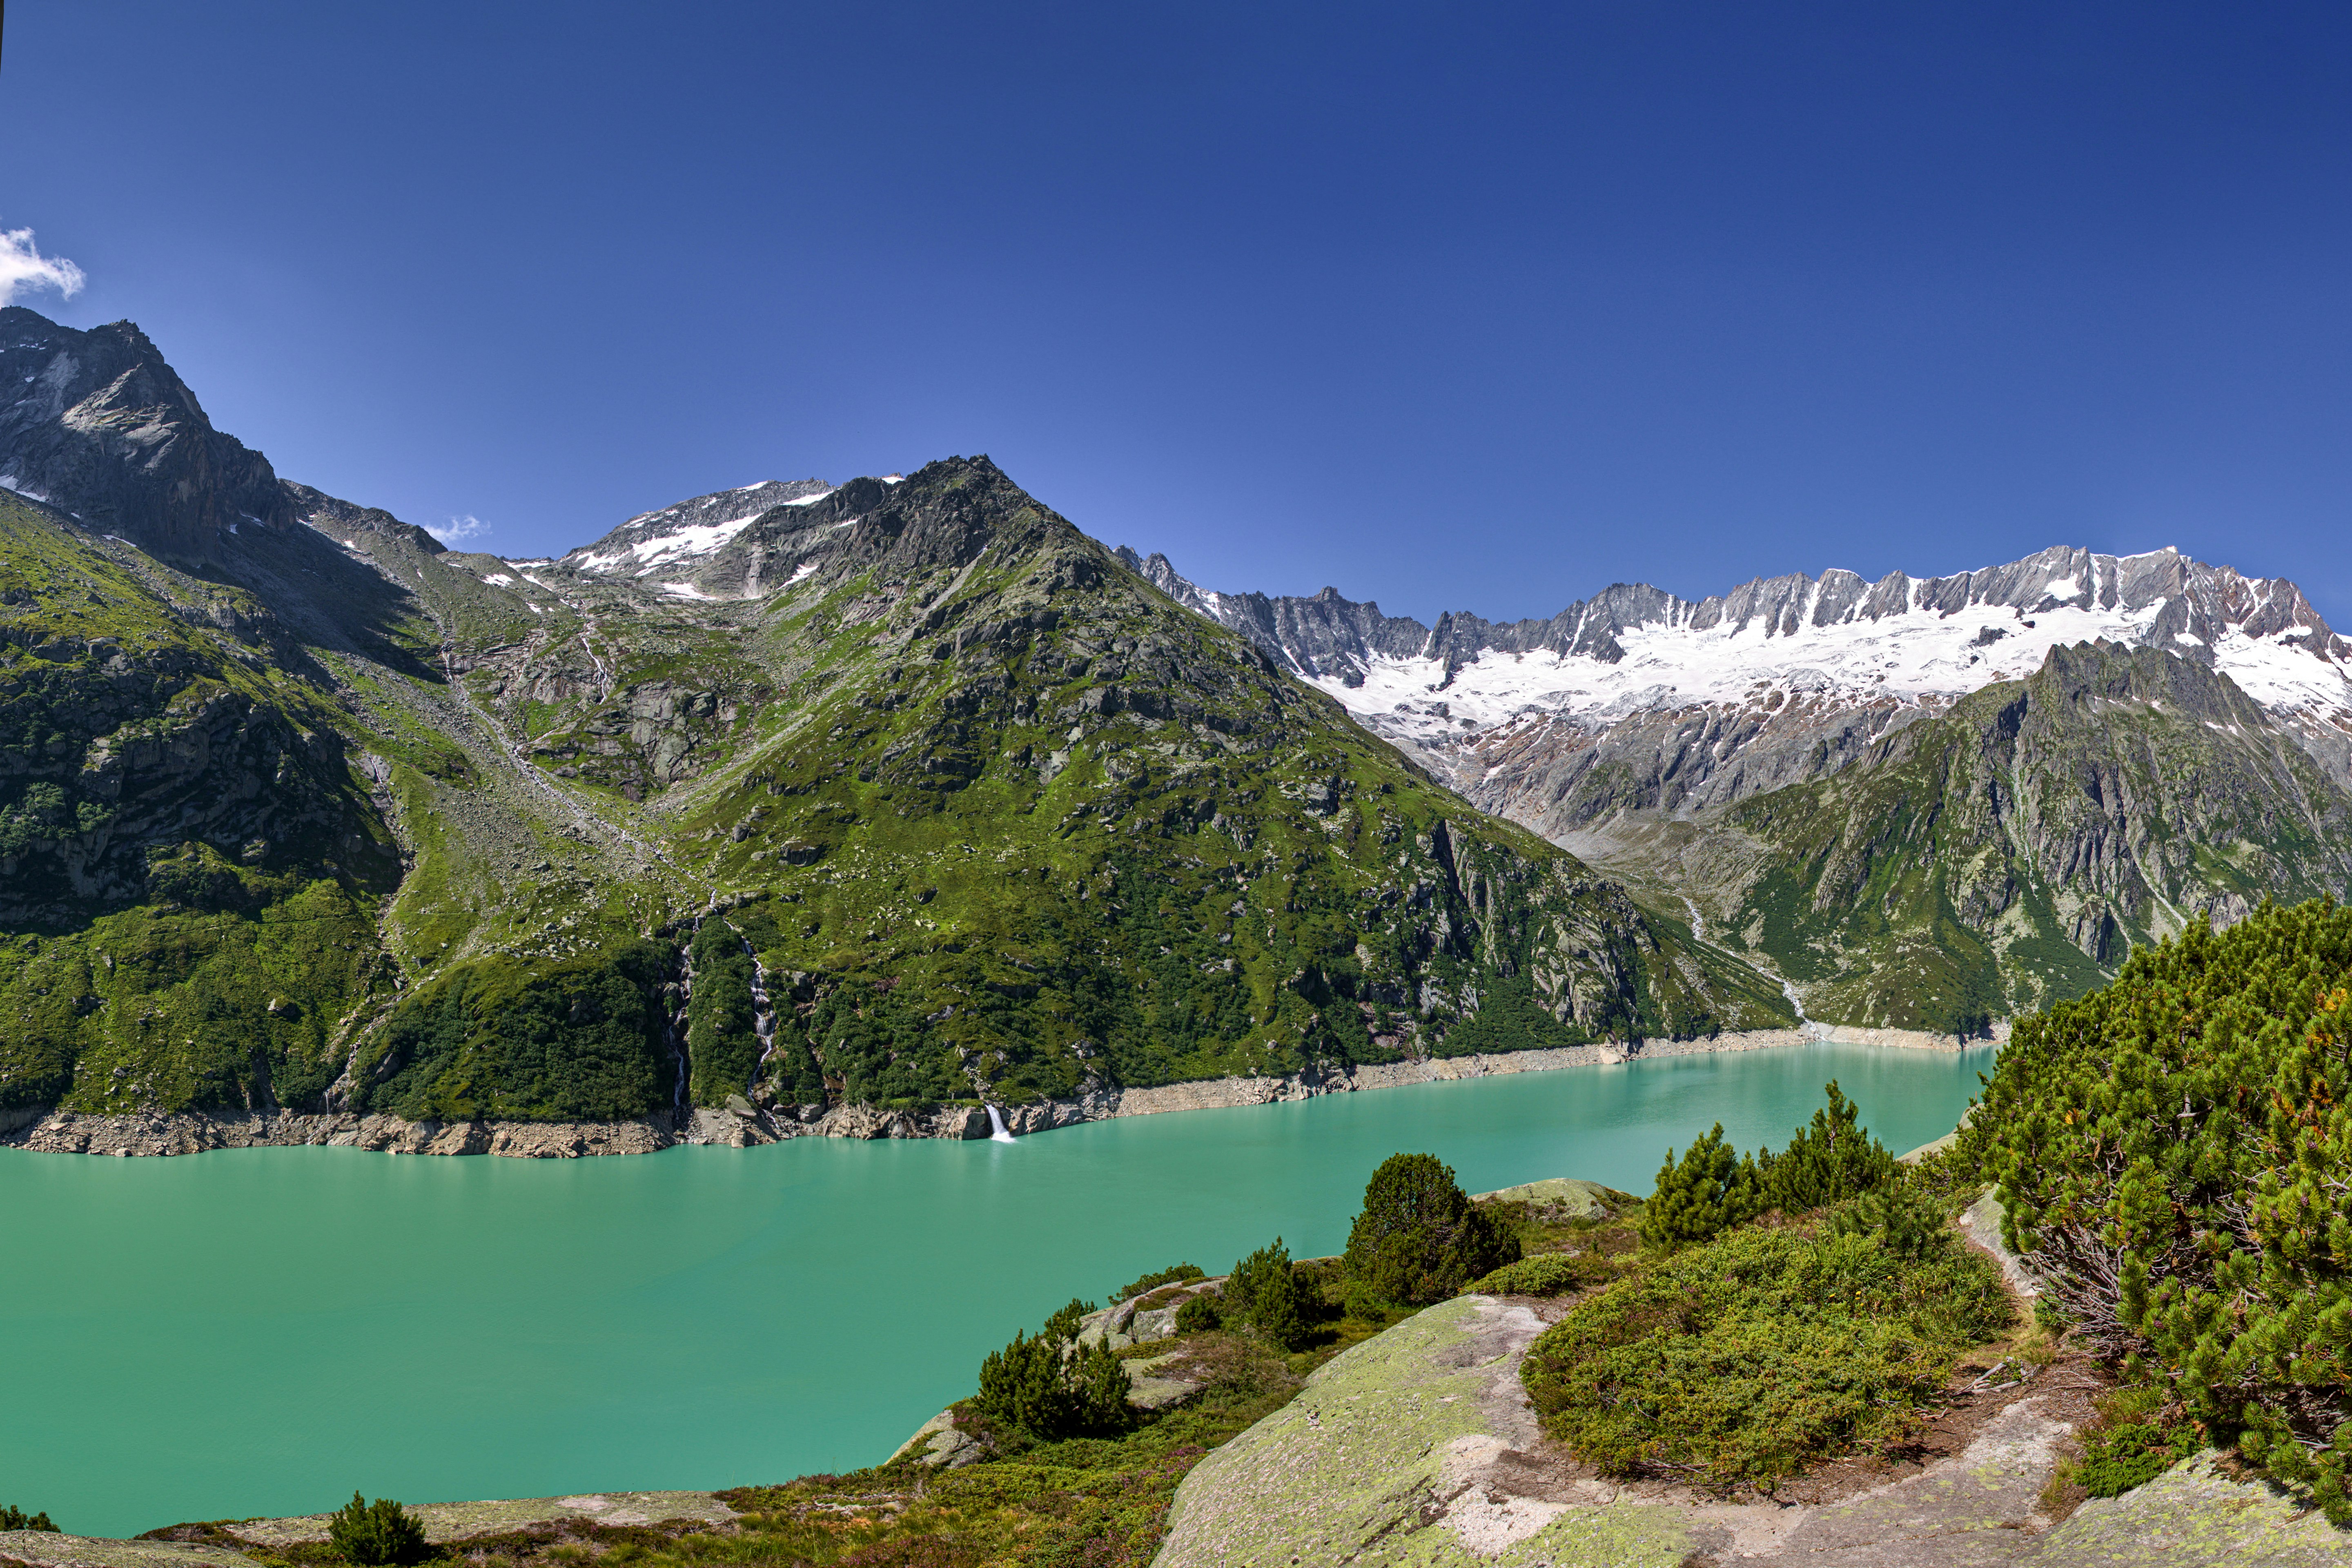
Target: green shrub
point(1263, 1292)
point(1740, 1361)
point(374, 1534)
point(1152, 1281)
point(1419, 1238)
point(1199, 1315)
point(2121, 1458)
point(1545, 1274)
point(1053, 1388)
point(2173, 1152)
point(1702, 1195)
point(14, 1518)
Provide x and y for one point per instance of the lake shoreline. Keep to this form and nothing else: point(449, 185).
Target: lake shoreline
point(48, 1130)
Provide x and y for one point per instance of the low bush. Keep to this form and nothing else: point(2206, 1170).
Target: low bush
point(377, 1534)
point(2173, 1153)
point(1199, 1315)
point(1738, 1362)
point(2132, 1454)
point(1545, 1274)
point(14, 1518)
point(1419, 1238)
point(1152, 1281)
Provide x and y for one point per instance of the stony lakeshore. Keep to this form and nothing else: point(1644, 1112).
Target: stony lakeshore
point(742, 1124)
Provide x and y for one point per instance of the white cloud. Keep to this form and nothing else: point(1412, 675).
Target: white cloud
point(458, 528)
point(23, 266)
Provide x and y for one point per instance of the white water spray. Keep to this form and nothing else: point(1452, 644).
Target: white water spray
point(1698, 921)
point(997, 1131)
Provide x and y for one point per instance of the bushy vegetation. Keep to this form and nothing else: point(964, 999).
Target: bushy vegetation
point(1418, 1237)
point(1199, 1315)
point(1738, 1361)
point(1153, 1281)
point(2175, 1155)
point(1545, 1274)
point(1712, 1187)
point(722, 1036)
point(571, 1040)
point(1052, 1387)
point(1264, 1291)
point(15, 1518)
point(379, 1534)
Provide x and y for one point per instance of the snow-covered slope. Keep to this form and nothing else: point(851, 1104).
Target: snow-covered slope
point(677, 535)
point(1676, 703)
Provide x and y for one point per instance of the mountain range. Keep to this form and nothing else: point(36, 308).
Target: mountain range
point(806, 806)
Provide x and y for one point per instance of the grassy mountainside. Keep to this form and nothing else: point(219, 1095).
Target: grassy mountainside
point(191, 868)
point(965, 810)
point(2010, 852)
point(997, 818)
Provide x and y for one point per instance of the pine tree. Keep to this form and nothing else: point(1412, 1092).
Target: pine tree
point(379, 1534)
point(1419, 1238)
point(1827, 1162)
point(1711, 1189)
point(1264, 1291)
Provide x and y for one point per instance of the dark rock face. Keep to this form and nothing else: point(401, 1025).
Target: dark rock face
point(97, 424)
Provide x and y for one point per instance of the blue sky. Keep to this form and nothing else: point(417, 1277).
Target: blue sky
point(1450, 307)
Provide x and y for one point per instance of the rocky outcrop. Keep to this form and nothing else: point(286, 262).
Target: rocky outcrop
point(1418, 1446)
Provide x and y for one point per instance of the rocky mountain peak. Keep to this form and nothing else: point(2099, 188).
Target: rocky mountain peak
point(98, 424)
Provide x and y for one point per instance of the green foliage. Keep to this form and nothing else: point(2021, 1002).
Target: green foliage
point(1545, 1274)
point(1827, 1162)
point(1053, 1388)
point(15, 1518)
point(1714, 1188)
point(1510, 1019)
point(1264, 1291)
point(579, 1039)
point(379, 1534)
point(1418, 1238)
point(1155, 1280)
point(1708, 1192)
point(2133, 1454)
point(722, 1036)
point(1742, 1360)
point(2173, 1153)
point(1067, 1320)
point(1199, 1315)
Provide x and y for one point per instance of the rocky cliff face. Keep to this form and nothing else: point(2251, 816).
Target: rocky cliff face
point(97, 423)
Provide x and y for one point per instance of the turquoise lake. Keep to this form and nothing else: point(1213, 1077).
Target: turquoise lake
point(260, 1332)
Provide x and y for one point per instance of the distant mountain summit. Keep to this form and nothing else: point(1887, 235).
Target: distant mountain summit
point(2120, 744)
point(1785, 678)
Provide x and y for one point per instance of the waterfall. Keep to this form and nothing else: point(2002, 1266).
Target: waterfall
point(997, 1132)
point(1790, 991)
point(677, 1023)
point(763, 1013)
point(1698, 921)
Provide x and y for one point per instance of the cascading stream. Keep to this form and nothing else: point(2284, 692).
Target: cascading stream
point(763, 1013)
point(998, 1132)
point(678, 1023)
